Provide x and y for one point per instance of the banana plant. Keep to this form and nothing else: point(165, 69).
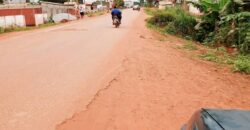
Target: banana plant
point(207, 6)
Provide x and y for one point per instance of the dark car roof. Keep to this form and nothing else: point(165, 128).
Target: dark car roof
point(231, 119)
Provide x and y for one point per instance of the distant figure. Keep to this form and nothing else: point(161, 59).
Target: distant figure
point(81, 12)
point(116, 12)
point(92, 7)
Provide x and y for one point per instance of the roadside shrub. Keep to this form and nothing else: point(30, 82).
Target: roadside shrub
point(174, 20)
point(170, 29)
point(150, 11)
point(183, 25)
point(9, 29)
point(1, 30)
point(161, 18)
point(244, 38)
point(242, 63)
point(210, 57)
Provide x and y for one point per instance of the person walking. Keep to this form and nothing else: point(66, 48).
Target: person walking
point(81, 12)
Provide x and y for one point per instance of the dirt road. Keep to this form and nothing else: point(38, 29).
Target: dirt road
point(47, 75)
point(159, 87)
point(76, 77)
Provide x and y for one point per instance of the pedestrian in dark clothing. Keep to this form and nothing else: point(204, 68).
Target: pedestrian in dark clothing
point(81, 12)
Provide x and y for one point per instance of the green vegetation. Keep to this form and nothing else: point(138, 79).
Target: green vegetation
point(15, 29)
point(239, 62)
point(218, 55)
point(224, 25)
point(242, 63)
point(98, 13)
point(119, 3)
point(190, 46)
point(150, 11)
point(173, 20)
point(210, 57)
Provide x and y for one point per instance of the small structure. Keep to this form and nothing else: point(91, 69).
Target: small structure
point(128, 3)
point(63, 17)
point(165, 3)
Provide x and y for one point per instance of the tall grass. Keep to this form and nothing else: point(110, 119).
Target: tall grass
point(174, 20)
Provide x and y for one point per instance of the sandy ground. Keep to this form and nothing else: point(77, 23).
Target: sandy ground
point(158, 88)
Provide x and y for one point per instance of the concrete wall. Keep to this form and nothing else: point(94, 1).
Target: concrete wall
point(29, 14)
point(17, 20)
point(55, 8)
point(41, 19)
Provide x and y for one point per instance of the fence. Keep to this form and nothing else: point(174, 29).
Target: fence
point(17, 20)
point(28, 13)
point(37, 14)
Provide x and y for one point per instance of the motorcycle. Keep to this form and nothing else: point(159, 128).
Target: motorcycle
point(116, 22)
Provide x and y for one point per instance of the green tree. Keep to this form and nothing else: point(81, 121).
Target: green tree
point(225, 22)
point(1, 1)
point(119, 3)
point(150, 3)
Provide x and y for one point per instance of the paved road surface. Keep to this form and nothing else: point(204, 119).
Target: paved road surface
point(49, 74)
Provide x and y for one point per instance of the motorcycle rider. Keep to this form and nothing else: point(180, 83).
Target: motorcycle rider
point(116, 12)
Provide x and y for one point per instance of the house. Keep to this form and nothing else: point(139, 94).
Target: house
point(130, 3)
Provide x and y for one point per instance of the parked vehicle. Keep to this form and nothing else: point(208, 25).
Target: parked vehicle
point(116, 22)
point(136, 7)
point(217, 119)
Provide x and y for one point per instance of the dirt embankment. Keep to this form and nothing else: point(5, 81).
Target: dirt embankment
point(159, 88)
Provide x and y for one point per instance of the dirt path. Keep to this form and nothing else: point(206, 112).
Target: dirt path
point(158, 88)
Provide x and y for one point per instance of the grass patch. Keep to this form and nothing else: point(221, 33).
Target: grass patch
point(173, 20)
point(190, 46)
point(209, 57)
point(16, 29)
point(242, 63)
point(98, 13)
point(150, 11)
point(176, 21)
point(238, 62)
point(218, 55)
